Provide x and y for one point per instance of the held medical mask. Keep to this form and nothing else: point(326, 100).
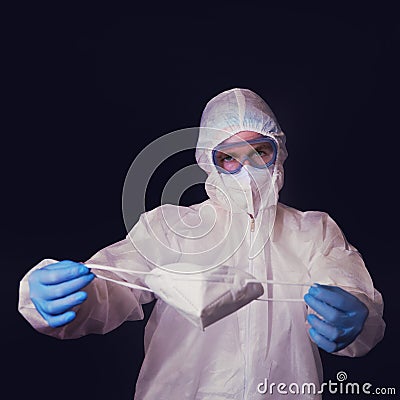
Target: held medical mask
point(202, 298)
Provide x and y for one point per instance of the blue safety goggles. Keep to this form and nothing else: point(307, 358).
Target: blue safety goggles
point(230, 157)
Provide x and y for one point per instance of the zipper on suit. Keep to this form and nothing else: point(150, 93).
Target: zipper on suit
point(248, 314)
point(252, 225)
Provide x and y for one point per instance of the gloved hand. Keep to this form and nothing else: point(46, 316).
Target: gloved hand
point(54, 290)
point(343, 317)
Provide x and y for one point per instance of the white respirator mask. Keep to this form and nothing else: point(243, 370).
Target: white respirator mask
point(202, 297)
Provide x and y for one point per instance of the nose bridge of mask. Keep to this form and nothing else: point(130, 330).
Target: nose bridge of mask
point(202, 298)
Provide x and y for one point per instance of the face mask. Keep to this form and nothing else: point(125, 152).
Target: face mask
point(203, 298)
point(246, 187)
point(237, 188)
point(260, 179)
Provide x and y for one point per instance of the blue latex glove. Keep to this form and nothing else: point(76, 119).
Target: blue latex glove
point(55, 289)
point(343, 317)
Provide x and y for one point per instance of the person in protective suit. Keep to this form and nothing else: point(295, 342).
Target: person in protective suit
point(241, 224)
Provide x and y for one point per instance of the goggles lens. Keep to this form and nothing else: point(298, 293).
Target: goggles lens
point(260, 153)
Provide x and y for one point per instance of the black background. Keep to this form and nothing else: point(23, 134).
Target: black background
point(89, 87)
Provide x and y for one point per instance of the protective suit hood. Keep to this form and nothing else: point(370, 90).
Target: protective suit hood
point(226, 114)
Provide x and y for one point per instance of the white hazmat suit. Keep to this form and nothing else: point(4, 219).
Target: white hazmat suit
point(262, 340)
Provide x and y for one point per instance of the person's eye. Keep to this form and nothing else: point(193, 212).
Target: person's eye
point(227, 158)
point(258, 153)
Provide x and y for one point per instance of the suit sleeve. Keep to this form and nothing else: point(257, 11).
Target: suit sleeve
point(108, 304)
point(334, 261)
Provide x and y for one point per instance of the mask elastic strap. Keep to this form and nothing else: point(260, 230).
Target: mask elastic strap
point(285, 300)
point(130, 285)
point(131, 271)
point(107, 268)
point(122, 283)
point(272, 282)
